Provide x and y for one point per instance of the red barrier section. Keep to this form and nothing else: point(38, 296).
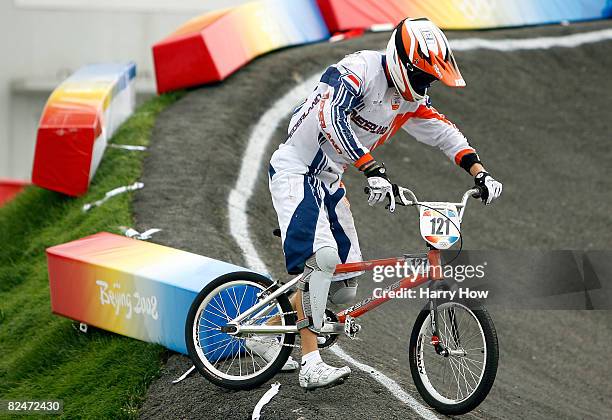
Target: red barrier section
point(64, 149)
point(342, 15)
point(9, 188)
point(80, 116)
point(212, 46)
point(197, 53)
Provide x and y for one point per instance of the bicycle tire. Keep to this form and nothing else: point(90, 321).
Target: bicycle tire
point(281, 358)
point(490, 371)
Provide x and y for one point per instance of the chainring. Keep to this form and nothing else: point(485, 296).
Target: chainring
point(330, 339)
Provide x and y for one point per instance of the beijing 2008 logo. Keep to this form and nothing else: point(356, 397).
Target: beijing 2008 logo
point(129, 303)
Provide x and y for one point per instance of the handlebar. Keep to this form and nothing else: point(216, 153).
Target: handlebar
point(475, 192)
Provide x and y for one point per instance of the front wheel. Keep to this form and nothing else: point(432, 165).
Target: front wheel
point(458, 379)
point(232, 361)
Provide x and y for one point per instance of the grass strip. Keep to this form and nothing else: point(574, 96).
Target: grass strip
point(99, 374)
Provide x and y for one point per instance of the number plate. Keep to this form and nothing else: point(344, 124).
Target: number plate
point(440, 227)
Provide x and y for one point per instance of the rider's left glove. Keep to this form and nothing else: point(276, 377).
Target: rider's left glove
point(491, 189)
point(379, 186)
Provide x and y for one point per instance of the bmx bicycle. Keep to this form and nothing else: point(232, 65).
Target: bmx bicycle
point(453, 350)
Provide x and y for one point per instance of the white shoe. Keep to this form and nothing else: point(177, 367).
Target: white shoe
point(267, 349)
point(320, 375)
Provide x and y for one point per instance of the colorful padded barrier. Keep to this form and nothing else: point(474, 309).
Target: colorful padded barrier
point(80, 116)
point(211, 47)
point(9, 188)
point(134, 288)
point(342, 15)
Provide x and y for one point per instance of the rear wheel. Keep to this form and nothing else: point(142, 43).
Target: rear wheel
point(458, 380)
point(228, 360)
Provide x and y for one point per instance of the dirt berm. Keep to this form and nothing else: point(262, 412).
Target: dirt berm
point(542, 123)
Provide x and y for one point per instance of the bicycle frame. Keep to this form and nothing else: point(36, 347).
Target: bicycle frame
point(434, 273)
point(432, 257)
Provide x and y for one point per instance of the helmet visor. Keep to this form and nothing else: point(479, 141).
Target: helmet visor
point(420, 81)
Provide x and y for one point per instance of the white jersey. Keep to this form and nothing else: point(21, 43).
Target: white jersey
point(353, 110)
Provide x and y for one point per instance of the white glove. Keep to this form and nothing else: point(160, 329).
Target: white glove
point(491, 189)
point(380, 187)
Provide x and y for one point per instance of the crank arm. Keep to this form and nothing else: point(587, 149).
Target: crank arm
point(332, 328)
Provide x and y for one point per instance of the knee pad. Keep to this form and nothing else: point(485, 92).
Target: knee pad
point(315, 283)
point(343, 291)
point(327, 259)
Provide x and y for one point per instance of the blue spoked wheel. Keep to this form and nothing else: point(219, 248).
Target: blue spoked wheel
point(231, 361)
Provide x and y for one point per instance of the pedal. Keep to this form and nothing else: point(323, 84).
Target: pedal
point(351, 328)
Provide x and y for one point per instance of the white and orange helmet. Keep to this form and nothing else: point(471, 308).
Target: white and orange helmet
point(418, 54)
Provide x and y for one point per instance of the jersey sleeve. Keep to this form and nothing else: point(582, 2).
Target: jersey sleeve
point(343, 89)
point(430, 127)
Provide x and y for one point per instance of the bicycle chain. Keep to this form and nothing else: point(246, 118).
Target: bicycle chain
point(284, 344)
point(266, 317)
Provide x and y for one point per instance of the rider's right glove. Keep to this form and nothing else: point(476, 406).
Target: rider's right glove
point(379, 186)
point(491, 189)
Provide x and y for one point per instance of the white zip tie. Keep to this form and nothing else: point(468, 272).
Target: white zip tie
point(128, 147)
point(265, 399)
point(336, 38)
point(147, 234)
point(112, 193)
point(184, 375)
point(382, 27)
point(129, 232)
point(133, 233)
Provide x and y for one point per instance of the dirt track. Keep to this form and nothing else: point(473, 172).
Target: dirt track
point(541, 122)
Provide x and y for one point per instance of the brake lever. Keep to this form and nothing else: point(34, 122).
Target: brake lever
point(402, 200)
point(479, 193)
point(388, 205)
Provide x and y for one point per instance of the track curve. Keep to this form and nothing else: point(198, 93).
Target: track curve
point(197, 148)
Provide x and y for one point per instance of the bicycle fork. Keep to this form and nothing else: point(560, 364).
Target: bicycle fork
point(435, 334)
point(437, 282)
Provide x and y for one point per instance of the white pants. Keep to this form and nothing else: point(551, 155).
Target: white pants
point(313, 212)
